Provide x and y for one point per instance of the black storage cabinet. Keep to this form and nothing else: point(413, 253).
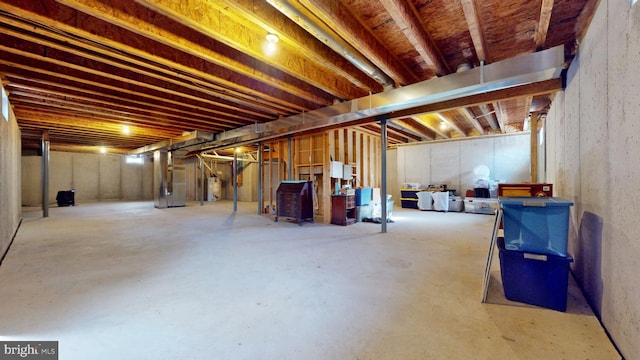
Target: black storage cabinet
point(295, 200)
point(66, 198)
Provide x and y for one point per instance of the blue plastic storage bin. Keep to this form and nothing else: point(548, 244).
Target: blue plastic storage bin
point(536, 279)
point(536, 224)
point(363, 196)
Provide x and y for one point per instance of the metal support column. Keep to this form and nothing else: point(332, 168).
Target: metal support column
point(201, 180)
point(235, 181)
point(260, 177)
point(383, 167)
point(45, 173)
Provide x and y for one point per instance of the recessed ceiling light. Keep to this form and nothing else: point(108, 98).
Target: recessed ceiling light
point(125, 129)
point(272, 38)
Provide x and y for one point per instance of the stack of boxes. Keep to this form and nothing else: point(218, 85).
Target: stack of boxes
point(534, 263)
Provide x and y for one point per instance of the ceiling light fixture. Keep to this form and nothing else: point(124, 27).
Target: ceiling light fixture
point(272, 38)
point(125, 129)
point(443, 124)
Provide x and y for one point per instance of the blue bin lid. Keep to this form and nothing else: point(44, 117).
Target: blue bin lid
point(533, 201)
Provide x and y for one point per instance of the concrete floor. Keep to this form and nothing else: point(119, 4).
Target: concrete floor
point(123, 280)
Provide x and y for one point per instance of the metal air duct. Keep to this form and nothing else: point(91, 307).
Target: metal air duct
point(414, 99)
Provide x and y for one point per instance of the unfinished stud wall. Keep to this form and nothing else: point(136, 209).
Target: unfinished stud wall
point(593, 147)
point(310, 160)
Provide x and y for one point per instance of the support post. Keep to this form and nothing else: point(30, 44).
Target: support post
point(235, 181)
point(534, 146)
point(260, 178)
point(45, 173)
point(201, 180)
point(383, 170)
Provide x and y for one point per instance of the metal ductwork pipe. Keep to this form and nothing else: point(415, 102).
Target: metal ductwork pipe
point(331, 40)
point(423, 97)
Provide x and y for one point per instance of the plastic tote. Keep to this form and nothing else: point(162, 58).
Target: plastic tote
point(536, 279)
point(536, 224)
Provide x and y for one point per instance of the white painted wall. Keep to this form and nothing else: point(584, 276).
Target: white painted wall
point(593, 145)
point(453, 162)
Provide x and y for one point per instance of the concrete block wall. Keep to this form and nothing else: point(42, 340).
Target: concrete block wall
point(593, 145)
point(10, 174)
point(93, 176)
point(453, 162)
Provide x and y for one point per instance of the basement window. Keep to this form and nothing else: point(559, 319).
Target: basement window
point(134, 159)
point(5, 104)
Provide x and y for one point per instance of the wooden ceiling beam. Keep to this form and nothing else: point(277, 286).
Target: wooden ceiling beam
point(70, 98)
point(34, 115)
point(393, 135)
point(466, 113)
point(72, 91)
point(226, 72)
point(432, 122)
point(500, 115)
point(489, 116)
point(213, 20)
point(112, 88)
point(451, 123)
point(117, 59)
point(476, 29)
point(398, 134)
point(119, 116)
point(425, 131)
point(337, 16)
point(67, 136)
point(543, 23)
point(70, 65)
point(261, 13)
point(532, 89)
point(406, 126)
point(404, 15)
point(584, 19)
point(409, 135)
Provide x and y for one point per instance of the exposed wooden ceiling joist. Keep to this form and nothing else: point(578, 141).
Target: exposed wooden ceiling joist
point(163, 68)
point(403, 14)
point(338, 17)
point(476, 29)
